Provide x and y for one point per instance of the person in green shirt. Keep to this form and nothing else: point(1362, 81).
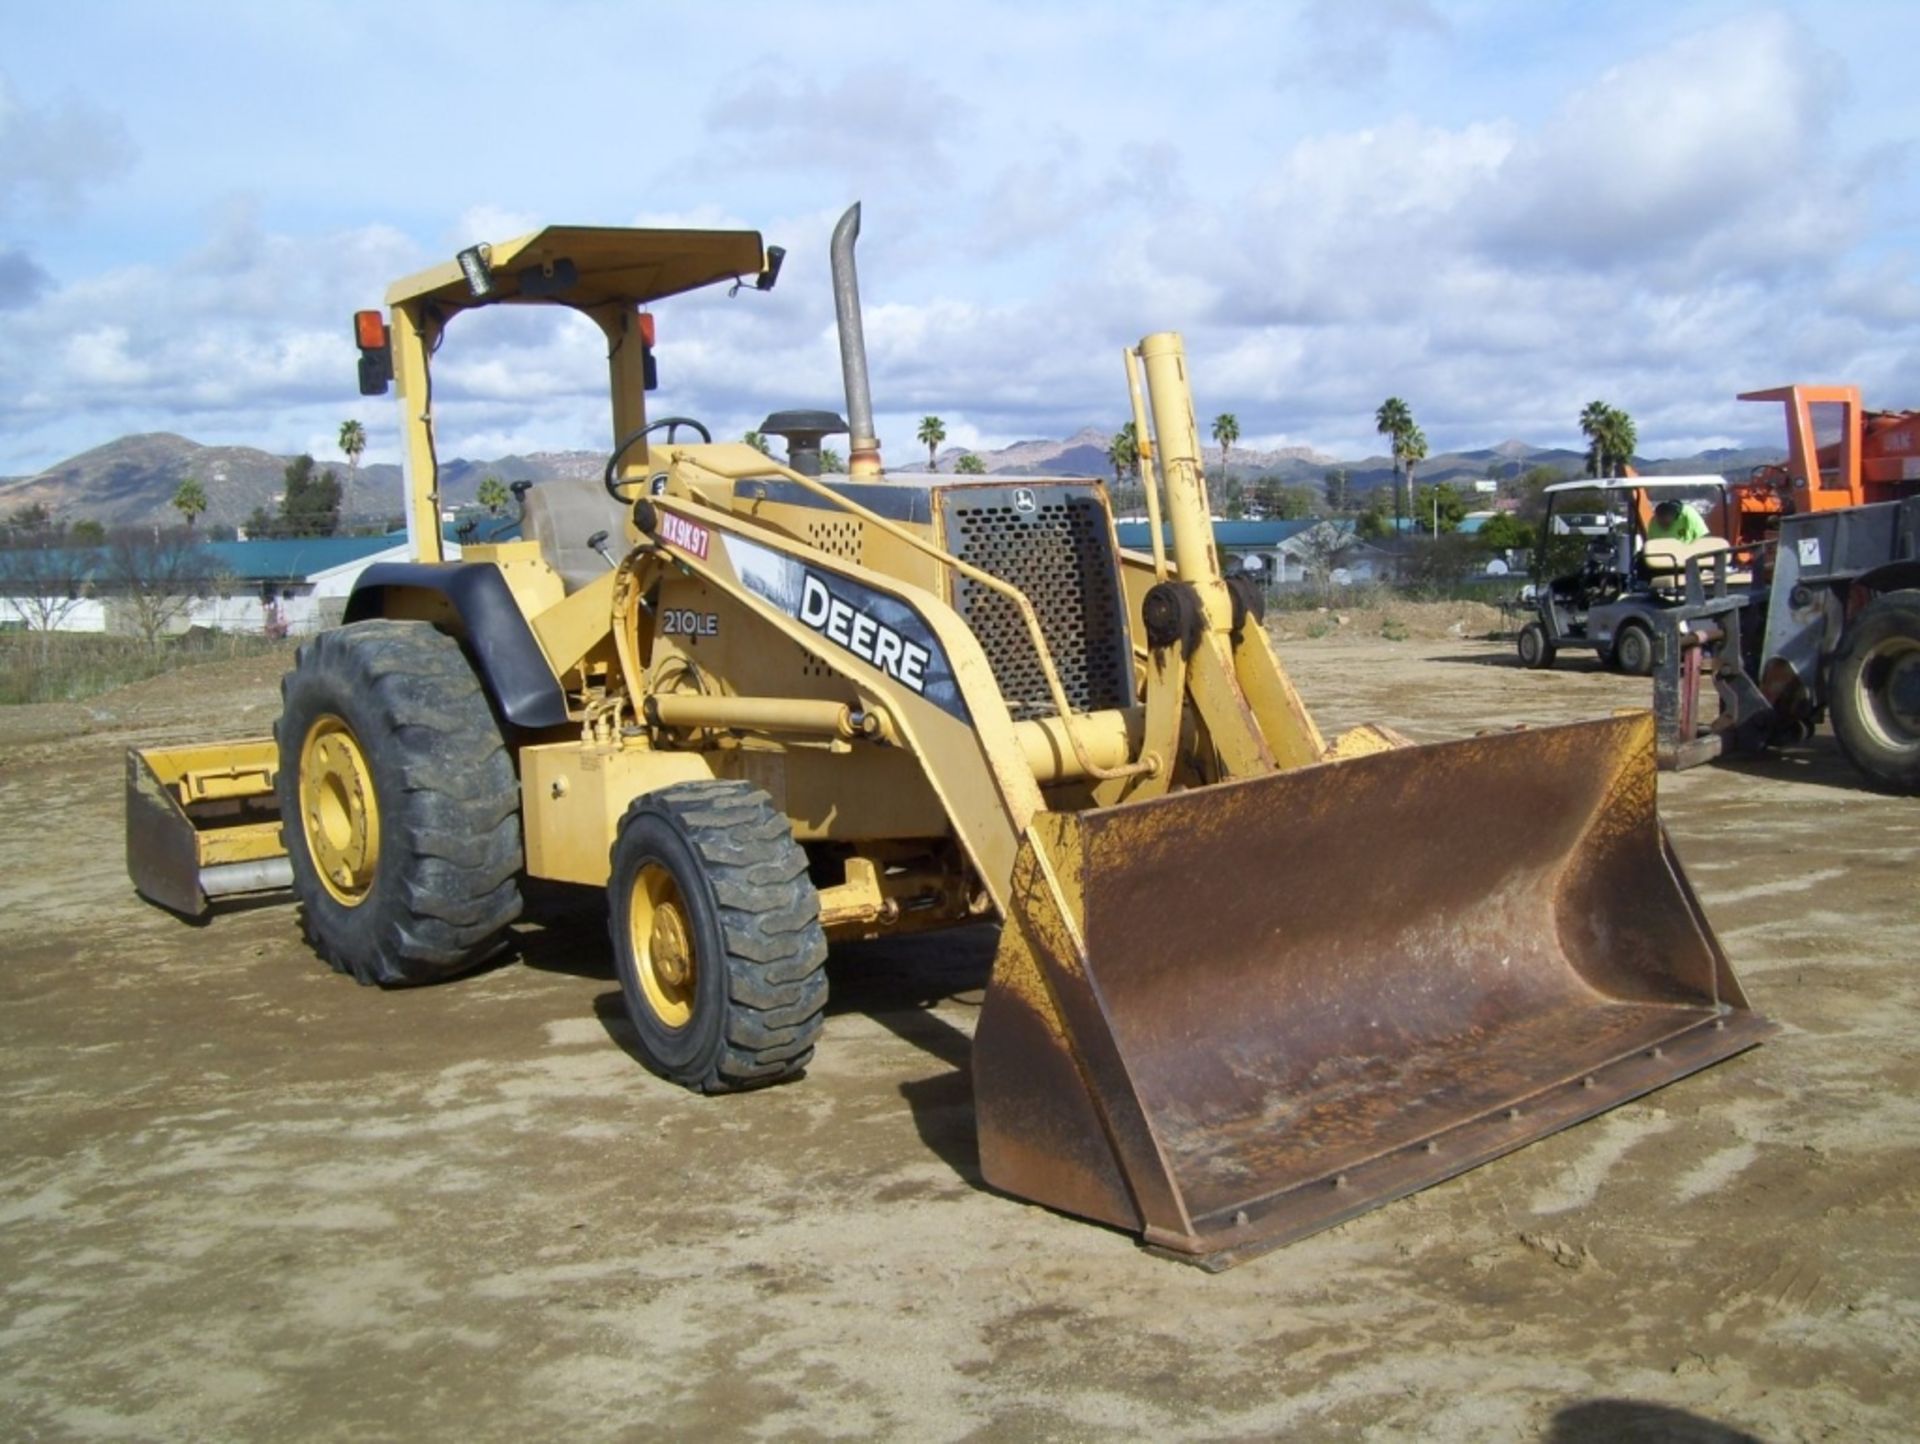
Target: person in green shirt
point(1674, 522)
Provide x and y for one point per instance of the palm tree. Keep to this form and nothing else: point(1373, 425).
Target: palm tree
point(353, 441)
point(190, 499)
point(492, 495)
point(970, 465)
point(1413, 451)
point(1617, 439)
point(1592, 420)
point(1394, 420)
point(832, 461)
point(931, 433)
point(757, 442)
point(1226, 431)
point(1123, 453)
point(1611, 438)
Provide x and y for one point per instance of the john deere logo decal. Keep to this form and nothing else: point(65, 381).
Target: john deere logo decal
point(869, 640)
point(881, 630)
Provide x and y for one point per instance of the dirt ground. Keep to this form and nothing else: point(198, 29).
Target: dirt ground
point(241, 1198)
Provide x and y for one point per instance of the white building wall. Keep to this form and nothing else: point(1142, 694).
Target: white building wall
point(337, 582)
point(300, 607)
point(86, 615)
point(246, 612)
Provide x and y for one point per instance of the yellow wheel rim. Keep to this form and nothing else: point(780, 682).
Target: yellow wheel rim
point(339, 815)
point(662, 945)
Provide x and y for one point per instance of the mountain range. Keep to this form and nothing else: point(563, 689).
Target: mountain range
point(132, 481)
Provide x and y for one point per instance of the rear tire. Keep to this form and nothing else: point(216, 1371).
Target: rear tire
point(1633, 650)
point(1875, 692)
point(716, 937)
point(400, 808)
point(1536, 649)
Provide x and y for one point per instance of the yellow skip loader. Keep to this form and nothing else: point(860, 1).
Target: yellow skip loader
point(1250, 981)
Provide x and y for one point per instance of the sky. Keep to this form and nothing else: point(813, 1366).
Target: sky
point(1498, 210)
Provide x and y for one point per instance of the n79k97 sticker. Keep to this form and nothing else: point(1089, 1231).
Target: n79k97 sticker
point(688, 536)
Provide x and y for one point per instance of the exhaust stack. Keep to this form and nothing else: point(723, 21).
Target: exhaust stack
point(864, 447)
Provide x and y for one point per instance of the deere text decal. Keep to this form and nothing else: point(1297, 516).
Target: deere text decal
point(833, 618)
point(880, 630)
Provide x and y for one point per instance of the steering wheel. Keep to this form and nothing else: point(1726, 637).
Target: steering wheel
point(672, 423)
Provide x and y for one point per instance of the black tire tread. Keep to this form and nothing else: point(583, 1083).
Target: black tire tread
point(1620, 660)
point(1547, 649)
point(443, 905)
point(1888, 769)
point(769, 916)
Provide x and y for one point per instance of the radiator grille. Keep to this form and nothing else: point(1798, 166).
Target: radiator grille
point(1053, 543)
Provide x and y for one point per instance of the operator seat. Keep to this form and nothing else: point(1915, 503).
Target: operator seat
point(1665, 560)
point(562, 514)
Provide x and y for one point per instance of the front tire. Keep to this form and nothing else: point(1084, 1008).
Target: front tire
point(399, 804)
point(1535, 647)
point(716, 937)
point(1875, 698)
point(1633, 650)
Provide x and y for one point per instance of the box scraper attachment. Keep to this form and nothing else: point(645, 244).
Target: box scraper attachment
point(204, 823)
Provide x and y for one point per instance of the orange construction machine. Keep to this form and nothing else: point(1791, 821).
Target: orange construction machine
point(1828, 544)
point(1866, 457)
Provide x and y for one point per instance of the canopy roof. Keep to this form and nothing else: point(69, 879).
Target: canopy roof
point(609, 263)
point(1636, 483)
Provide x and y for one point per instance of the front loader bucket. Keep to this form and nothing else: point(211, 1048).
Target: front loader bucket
point(204, 823)
point(1232, 1016)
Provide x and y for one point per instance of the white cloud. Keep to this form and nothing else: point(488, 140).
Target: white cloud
point(52, 155)
point(1717, 146)
point(99, 358)
point(1541, 207)
point(874, 127)
point(231, 341)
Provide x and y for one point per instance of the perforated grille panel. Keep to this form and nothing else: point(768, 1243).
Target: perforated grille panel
point(1051, 542)
point(839, 538)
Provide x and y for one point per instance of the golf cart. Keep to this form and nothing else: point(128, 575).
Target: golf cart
point(1599, 583)
point(1655, 606)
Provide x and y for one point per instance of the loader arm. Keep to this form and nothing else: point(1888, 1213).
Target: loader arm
point(1253, 717)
